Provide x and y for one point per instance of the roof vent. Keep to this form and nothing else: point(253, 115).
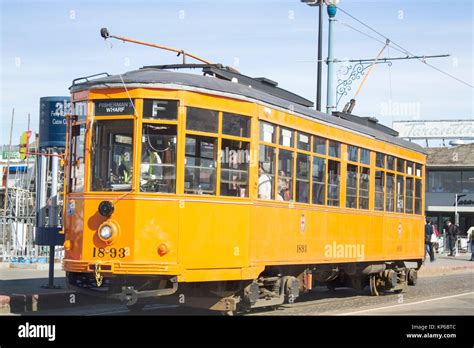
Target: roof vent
point(266, 81)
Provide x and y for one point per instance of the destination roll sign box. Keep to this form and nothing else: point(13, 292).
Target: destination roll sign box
point(113, 107)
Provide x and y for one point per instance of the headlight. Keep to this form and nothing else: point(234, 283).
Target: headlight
point(106, 232)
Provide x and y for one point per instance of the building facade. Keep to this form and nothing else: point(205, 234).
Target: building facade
point(450, 186)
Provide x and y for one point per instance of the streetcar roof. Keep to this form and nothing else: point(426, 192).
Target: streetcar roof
point(159, 78)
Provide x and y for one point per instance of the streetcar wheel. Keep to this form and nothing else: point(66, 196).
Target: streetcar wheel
point(412, 277)
point(373, 285)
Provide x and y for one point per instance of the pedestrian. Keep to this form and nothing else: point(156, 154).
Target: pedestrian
point(435, 237)
point(470, 235)
point(451, 237)
point(428, 244)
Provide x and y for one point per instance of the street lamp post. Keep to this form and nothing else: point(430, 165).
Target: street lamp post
point(320, 55)
point(330, 101)
point(320, 4)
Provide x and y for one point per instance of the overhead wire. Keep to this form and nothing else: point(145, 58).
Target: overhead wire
point(397, 46)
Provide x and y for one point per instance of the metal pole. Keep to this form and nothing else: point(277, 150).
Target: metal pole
point(5, 202)
point(51, 267)
point(320, 57)
point(53, 212)
point(456, 214)
point(456, 223)
point(330, 107)
point(43, 183)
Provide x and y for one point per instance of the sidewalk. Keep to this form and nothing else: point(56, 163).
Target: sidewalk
point(447, 264)
point(21, 290)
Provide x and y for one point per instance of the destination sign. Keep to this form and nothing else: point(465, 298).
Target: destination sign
point(112, 107)
point(160, 109)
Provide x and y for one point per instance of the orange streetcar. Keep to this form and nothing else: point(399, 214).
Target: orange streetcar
point(227, 192)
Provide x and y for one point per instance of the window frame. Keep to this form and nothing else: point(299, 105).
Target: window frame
point(73, 157)
point(90, 153)
point(160, 122)
point(220, 136)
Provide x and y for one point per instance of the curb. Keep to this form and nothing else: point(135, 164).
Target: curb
point(4, 304)
point(37, 266)
point(24, 303)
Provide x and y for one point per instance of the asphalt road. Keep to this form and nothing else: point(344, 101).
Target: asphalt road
point(436, 295)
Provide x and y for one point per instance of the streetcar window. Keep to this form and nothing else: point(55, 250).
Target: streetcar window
point(237, 125)
point(80, 110)
point(351, 186)
point(364, 156)
point(379, 187)
point(302, 178)
point(410, 168)
point(389, 191)
point(235, 159)
point(409, 198)
point(319, 180)
point(334, 172)
point(418, 208)
point(390, 162)
point(418, 170)
point(303, 141)
point(380, 160)
point(320, 145)
point(285, 175)
point(400, 193)
point(112, 155)
point(267, 132)
point(202, 120)
point(158, 158)
point(160, 109)
point(266, 172)
point(334, 149)
point(286, 137)
point(76, 183)
point(400, 165)
point(364, 183)
point(200, 165)
point(352, 153)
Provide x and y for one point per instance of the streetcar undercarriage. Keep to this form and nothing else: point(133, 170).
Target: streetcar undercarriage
point(275, 286)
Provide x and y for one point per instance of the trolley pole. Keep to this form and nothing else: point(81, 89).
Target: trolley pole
point(330, 107)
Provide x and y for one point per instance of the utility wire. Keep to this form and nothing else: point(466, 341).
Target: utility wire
point(370, 36)
point(401, 49)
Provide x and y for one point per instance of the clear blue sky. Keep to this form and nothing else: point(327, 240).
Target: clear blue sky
point(44, 45)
